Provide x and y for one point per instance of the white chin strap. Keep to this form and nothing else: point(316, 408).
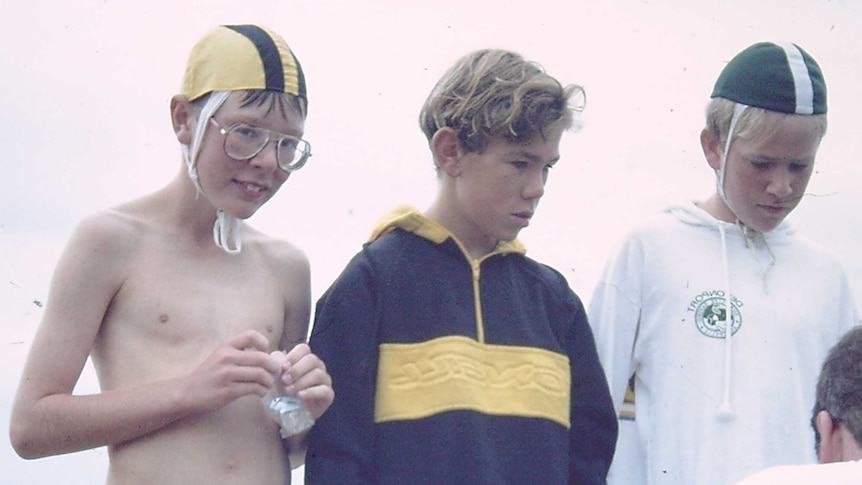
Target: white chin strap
point(722, 171)
point(226, 229)
point(226, 232)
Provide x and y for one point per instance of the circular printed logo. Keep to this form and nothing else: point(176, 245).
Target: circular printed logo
point(711, 313)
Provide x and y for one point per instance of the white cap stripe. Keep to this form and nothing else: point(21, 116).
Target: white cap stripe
point(801, 80)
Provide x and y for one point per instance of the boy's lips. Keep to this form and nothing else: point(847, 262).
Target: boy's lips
point(523, 217)
point(775, 208)
point(252, 189)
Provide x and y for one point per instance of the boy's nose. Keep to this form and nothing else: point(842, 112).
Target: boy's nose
point(267, 157)
point(781, 184)
point(535, 187)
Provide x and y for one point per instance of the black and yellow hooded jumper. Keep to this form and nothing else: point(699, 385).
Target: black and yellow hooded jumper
point(451, 370)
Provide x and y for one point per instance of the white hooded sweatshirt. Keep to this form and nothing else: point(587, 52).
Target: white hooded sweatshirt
point(838, 473)
point(709, 410)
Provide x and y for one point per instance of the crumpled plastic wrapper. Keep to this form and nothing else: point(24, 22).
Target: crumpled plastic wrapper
point(290, 413)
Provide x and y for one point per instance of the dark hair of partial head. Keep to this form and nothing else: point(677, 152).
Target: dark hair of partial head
point(284, 103)
point(494, 93)
point(275, 100)
point(839, 388)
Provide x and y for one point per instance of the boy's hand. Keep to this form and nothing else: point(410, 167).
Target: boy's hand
point(303, 374)
point(239, 367)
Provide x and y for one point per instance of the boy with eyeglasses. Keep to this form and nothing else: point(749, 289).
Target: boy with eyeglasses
point(458, 359)
point(182, 307)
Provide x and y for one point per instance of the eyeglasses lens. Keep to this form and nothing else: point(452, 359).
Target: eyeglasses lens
point(243, 142)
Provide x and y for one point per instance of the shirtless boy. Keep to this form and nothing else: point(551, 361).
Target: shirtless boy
point(180, 304)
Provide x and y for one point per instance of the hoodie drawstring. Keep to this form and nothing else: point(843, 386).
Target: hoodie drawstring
point(750, 237)
point(697, 216)
point(725, 411)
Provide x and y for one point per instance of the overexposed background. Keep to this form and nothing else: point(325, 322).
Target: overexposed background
point(84, 125)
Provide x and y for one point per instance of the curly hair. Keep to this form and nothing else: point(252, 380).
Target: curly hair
point(494, 93)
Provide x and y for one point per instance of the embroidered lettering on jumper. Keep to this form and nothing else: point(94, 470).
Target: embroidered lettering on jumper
point(456, 373)
point(443, 367)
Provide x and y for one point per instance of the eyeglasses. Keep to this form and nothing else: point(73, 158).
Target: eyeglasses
point(244, 142)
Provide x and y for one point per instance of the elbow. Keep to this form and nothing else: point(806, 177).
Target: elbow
point(27, 453)
point(22, 447)
point(23, 441)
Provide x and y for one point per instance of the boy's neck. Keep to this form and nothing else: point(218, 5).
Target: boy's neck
point(191, 213)
point(715, 207)
point(475, 248)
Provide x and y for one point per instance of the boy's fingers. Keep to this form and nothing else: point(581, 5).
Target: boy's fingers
point(308, 372)
point(250, 340)
point(253, 348)
point(254, 375)
point(260, 359)
point(316, 393)
point(297, 353)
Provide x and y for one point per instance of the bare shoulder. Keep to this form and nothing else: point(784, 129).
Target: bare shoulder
point(279, 254)
point(108, 230)
point(106, 236)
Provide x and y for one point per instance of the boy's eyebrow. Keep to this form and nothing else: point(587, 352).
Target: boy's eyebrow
point(767, 158)
point(530, 156)
point(256, 121)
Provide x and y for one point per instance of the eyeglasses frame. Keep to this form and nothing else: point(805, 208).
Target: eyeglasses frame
point(270, 136)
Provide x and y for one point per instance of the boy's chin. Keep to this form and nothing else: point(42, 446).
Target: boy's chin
point(241, 213)
point(763, 226)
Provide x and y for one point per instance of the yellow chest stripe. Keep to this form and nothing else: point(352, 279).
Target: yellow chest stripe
point(457, 373)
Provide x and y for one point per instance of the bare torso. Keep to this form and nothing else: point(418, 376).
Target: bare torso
point(177, 303)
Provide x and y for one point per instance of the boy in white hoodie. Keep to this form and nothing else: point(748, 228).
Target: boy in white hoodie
point(713, 406)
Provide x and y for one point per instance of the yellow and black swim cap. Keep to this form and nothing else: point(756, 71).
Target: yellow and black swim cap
point(242, 57)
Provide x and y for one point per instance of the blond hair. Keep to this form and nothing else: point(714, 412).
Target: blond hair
point(494, 93)
point(753, 124)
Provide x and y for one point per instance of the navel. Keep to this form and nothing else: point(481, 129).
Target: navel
point(230, 465)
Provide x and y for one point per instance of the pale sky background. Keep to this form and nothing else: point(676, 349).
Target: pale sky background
point(84, 125)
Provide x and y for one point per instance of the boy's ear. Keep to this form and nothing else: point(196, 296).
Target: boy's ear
point(830, 449)
point(182, 119)
point(446, 148)
point(711, 148)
